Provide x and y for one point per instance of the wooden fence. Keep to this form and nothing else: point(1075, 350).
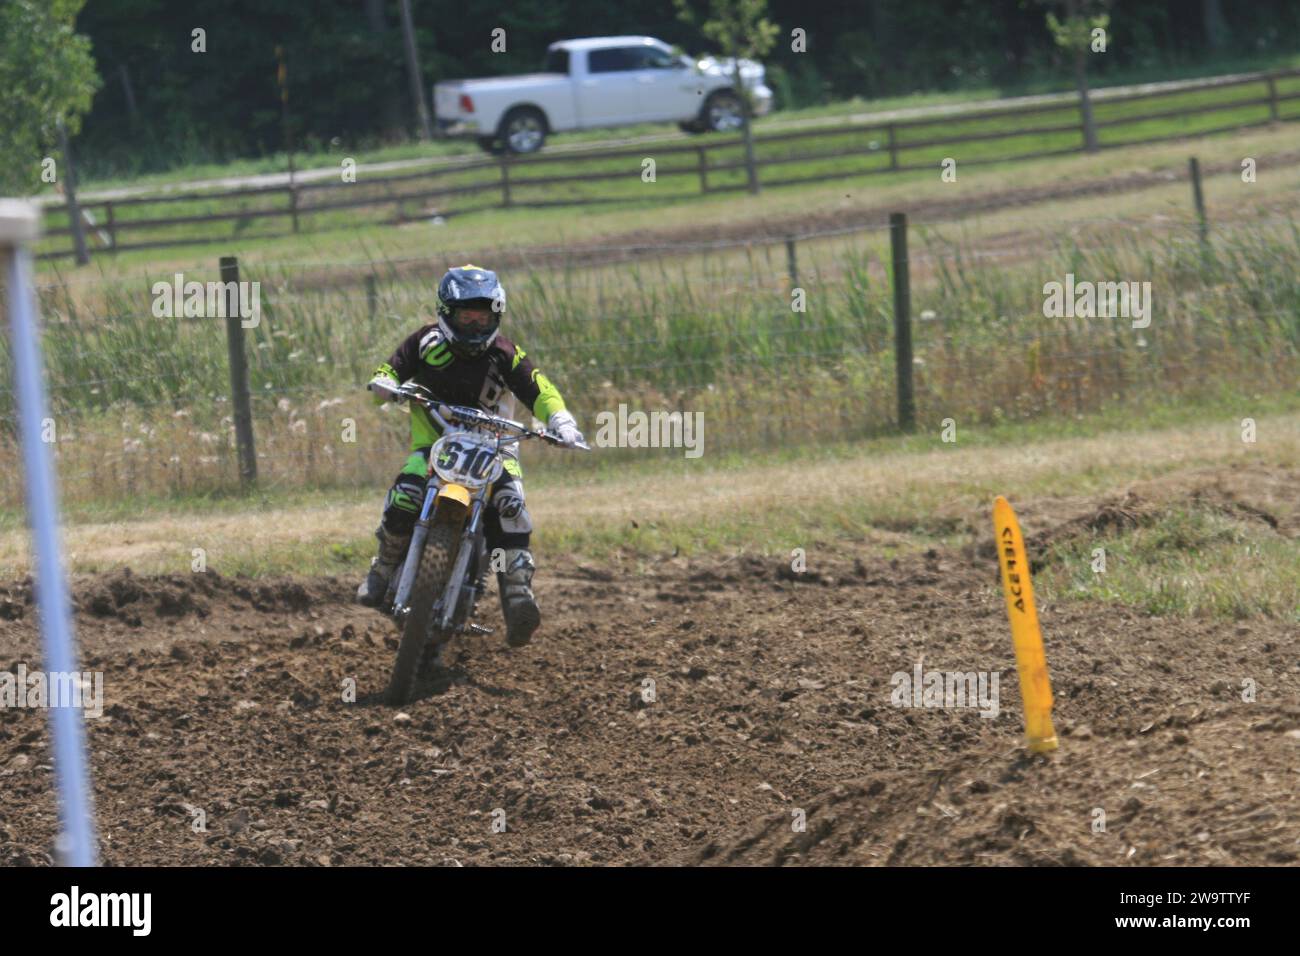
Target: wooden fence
point(713, 166)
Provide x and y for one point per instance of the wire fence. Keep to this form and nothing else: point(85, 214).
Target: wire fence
point(710, 359)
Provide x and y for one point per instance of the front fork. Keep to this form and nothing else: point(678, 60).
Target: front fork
point(413, 552)
point(468, 544)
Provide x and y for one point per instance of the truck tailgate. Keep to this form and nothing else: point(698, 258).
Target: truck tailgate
point(446, 99)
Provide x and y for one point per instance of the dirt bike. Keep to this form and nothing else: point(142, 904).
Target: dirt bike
point(433, 593)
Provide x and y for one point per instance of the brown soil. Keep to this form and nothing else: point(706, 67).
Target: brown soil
point(772, 696)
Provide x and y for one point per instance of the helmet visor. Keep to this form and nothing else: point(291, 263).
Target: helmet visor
point(473, 319)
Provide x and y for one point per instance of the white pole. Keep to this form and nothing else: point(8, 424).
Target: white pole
point(20, 225)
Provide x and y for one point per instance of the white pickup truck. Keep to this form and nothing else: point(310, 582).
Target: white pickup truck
point(601, 81)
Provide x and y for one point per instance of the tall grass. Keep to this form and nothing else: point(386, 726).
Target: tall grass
point(141, 404)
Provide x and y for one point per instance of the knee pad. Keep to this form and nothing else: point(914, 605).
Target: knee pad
point(403, 504)
point(512, 510)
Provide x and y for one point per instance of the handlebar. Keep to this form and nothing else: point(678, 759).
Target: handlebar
point(447, 415)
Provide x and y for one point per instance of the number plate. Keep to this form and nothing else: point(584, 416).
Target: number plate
point(466, 459)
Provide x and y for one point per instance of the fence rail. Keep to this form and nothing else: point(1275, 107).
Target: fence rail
point(826, 152)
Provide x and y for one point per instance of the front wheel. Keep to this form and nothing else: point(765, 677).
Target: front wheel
point(419, 635)
point(723, 112)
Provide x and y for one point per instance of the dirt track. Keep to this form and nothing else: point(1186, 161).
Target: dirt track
point(772, 695)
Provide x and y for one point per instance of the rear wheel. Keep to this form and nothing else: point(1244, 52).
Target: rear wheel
point(523, 130)
point(418, 633)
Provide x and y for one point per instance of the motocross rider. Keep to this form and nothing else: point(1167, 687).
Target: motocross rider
point(464, 360)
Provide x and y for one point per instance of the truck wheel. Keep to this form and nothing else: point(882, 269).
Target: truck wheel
point(723, 112)
point(523, 130)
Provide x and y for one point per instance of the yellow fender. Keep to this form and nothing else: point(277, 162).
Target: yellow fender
point(452, 502)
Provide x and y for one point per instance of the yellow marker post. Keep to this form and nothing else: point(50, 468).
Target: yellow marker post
point(1031, 661)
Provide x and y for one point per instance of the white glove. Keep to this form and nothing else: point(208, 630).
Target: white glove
point(386, 389)
point(563, 424)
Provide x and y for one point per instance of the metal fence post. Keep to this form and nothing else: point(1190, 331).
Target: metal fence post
point(1198, 197)
point(902, 322)
point(791, 261)
point(703, 166)
point(239, 398)
point(75, 846)
point(505, 182)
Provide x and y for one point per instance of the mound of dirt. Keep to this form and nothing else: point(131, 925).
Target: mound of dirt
point(1260, 493)
point(136, 600)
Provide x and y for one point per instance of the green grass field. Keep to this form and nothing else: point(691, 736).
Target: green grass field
point(1041, 407)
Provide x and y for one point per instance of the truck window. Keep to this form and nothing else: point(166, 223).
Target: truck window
point(557, 61)
point(653, 58)
point(618, 59)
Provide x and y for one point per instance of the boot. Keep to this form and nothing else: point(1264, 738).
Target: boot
point(517, 602)
point(392, 549)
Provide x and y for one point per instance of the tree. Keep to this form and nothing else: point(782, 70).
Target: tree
point(1216, 27)
point(413, 71)
point(48, 76)
point(742, 30)
point(1074, 34)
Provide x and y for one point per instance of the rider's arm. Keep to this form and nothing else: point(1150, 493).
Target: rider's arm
point(401, 365)
point(536, 391)
point(530, 386)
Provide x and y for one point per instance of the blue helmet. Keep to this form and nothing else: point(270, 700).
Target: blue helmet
point(468, 285)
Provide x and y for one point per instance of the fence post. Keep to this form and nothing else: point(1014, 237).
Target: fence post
point(1198, 197)
point(239, 399)
point(703, 168)
point(372, 296)
point(75, 843)
point(902, 322)
point(505, 183)
point(70, 199)
point(791, 261)
point(293, 205)
point(111, 224)
point(1272, 98)
point(893, 147)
